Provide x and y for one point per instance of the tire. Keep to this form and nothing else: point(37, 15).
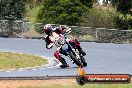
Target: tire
point(73, 57)
point(84, 64)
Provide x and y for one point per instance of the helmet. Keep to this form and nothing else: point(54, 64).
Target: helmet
point(48, 29)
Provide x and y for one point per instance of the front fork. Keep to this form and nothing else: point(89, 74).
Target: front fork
point(76, 52)
point(79, 56)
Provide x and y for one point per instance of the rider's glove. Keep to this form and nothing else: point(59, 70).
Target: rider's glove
point(68, 30)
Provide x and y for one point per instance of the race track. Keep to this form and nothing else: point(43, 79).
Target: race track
point(101, 58)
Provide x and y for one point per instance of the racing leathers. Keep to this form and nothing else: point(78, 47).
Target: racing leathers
point(55, 38)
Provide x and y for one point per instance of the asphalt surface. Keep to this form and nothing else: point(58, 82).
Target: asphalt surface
point(101, 58)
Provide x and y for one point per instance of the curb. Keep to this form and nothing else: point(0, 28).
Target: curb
point(38, 78)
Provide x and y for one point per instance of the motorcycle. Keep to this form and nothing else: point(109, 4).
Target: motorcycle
point(68, 49)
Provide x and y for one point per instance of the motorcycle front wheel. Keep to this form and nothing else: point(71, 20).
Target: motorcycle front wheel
point(83, 61)
point(73, 57)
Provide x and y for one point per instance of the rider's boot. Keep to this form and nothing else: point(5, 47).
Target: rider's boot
point(62, 60)
point(81, 50)
point(64, 63)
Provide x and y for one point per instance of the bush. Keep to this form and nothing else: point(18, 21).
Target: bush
point(39, 27)
point(62, 11)
point(124, 22)
point(99, 17)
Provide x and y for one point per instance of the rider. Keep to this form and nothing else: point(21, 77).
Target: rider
point(53, 35)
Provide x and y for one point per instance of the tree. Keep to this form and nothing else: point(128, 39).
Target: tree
point(12, 9)
point(124, 19)
point(123, 6)
point(62, 11)
point(88, 3)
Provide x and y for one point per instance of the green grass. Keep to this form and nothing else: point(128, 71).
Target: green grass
point(10, 60)
point(84, 86)
point(31, 14)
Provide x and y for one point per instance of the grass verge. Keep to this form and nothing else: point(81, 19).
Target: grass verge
point(9, 60)
point(85, 86)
